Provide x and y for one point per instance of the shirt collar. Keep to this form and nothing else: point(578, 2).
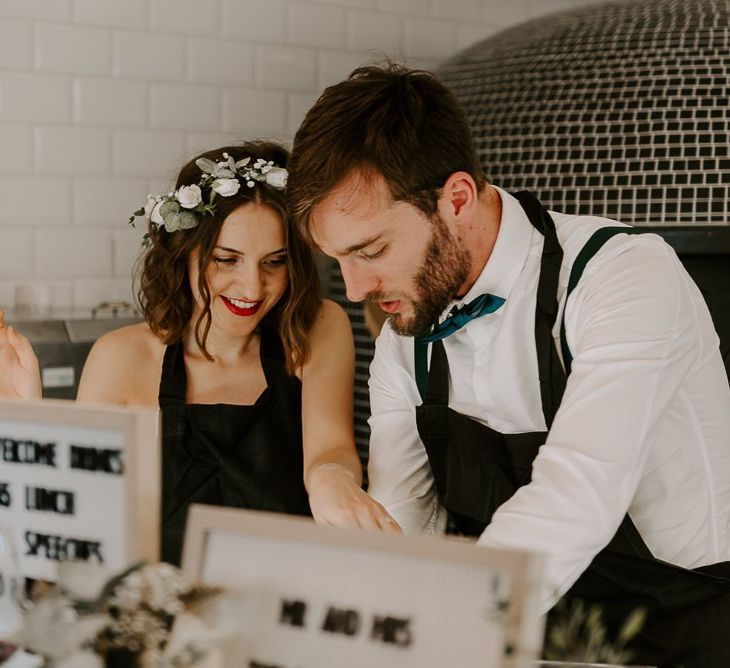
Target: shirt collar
point(508, 256)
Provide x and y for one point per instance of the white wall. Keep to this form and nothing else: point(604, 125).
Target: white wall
point(102, 100)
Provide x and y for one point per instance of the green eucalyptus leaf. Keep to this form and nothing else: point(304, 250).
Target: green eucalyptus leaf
point(188, 220)
point(243, 162)
point(224, 173)
point(172, 221)
point(206, 165)
point(169, 207)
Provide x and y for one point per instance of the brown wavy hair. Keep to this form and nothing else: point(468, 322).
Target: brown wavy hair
point(165, 296)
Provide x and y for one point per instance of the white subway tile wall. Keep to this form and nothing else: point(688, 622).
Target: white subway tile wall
point(429, 38)
point(54, 10)
point(184, 106)
point(16, 38)
point(100, 201)
point(71, 253)
point(184, 17)
point(32, 97)
point(31, 201)
point(72, 150)
point(16, 253)
point(254, 110)
point(218, 60)
point(16, 149)
point(72, 49)
point(147, 153)
point(319, 26)
point(110, 102)
point(102, 100)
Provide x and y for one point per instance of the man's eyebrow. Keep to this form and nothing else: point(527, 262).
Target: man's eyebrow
point(359, 246)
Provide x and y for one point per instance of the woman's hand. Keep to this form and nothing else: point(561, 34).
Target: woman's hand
point(20, 376)
point(337, 500)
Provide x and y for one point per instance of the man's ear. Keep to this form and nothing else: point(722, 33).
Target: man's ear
point(459, 197)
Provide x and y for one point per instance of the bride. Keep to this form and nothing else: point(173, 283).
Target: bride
point(251, 370)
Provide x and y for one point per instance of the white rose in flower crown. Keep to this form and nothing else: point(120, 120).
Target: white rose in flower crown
point(226, 187)
point(189, 196)
point(276, 177)
point(155, 217)
point(152, 210)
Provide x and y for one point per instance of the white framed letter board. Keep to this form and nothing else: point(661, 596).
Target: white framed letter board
point(79, 483)
point(330, 598)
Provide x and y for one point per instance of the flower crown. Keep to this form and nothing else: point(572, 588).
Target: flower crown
point(183, 208)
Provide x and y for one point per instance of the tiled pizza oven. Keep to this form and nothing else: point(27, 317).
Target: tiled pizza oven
point(619, 109)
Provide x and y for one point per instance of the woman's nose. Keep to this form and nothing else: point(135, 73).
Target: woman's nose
point(249, 281)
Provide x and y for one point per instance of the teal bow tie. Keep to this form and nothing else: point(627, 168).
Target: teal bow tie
point(482, 305)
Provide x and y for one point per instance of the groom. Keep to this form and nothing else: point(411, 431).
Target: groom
point(546, 382)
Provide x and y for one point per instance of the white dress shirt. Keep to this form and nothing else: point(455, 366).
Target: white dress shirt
point(643, 428)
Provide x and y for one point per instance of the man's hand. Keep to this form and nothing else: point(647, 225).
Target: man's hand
point(20, 376)
point(337, 500)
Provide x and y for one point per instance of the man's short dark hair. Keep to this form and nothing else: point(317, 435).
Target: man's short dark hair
point(402, 124)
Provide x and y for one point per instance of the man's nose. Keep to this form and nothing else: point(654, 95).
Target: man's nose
point(359, 281)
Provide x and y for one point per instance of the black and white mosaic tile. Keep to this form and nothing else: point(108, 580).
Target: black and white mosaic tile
point(619, 109)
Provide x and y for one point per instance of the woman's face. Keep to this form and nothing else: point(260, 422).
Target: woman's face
point(247, 273)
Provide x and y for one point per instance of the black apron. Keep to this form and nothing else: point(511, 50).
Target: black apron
point(476, 469)
point(229, 455)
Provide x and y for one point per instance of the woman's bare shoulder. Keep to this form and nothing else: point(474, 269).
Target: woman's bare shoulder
point(329, 316)
point(123, 367)
point(330, 334)
point(138, 338)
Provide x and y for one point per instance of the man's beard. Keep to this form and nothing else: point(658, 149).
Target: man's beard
point(444, 270)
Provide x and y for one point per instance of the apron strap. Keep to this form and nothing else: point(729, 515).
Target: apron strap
point(592, 246)
point(171, 395)
point(551, 375)
point(420, 349)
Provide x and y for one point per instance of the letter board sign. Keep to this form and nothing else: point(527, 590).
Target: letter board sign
point(359, 599)
point(79, 483)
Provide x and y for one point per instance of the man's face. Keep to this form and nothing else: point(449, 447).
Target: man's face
point(390, 252)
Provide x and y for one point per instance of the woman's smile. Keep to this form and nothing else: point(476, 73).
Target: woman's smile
point(240, 307)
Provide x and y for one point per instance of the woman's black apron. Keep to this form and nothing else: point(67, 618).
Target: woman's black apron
point(476, 469)
point(228, 455)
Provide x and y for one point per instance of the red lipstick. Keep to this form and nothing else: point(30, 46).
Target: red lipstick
point(237, 310)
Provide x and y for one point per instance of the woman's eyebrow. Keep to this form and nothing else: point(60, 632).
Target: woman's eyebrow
point(230, 250)
point(278, 251)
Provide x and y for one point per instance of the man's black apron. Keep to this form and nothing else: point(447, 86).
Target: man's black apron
point(476, 469)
